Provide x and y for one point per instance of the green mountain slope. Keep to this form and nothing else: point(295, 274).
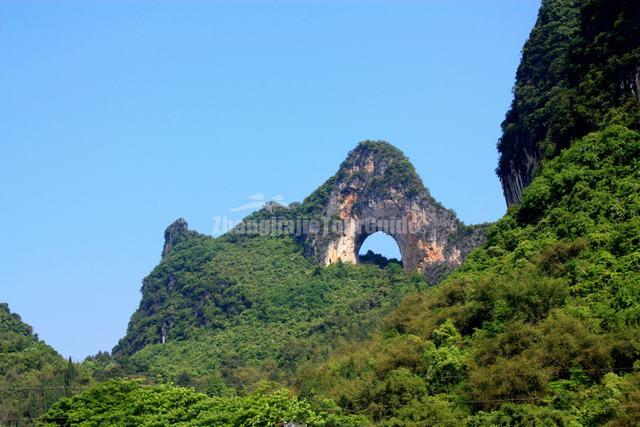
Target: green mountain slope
point(579, 68)
point(246, 309)
point(258, 304)
point(540, 326)
point(546, 313)
point(32, 374)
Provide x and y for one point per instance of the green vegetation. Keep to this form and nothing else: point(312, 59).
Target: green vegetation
point(130, 402)
point(543, 323)
point(376, 259)
point(247, 309)
point(399, 172)
point(540, 326)
point(579, 68)
point(32, 374)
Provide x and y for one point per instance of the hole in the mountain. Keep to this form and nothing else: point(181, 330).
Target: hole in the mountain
point(380, 249)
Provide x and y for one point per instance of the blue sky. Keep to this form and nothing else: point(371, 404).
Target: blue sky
point(117, 117)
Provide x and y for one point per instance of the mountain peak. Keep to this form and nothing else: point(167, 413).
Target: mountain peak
point(173, 234)
point(376, 189)
point(383, 163)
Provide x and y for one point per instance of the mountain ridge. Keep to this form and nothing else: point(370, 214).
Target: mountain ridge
point(200, 292)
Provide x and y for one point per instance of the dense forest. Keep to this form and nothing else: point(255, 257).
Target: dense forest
point(539, 326)
point(259, 303)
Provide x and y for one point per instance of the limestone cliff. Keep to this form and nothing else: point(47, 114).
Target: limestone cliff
point(377, 189)
point(580, 68)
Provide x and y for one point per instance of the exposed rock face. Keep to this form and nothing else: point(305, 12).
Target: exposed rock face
point(517, 173)
point(541, 70)
point(377, 189)
point(580, 64)
point(174, 233)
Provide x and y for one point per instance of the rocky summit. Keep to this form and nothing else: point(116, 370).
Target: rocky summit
point(377, 189)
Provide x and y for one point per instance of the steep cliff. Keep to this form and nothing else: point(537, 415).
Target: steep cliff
point(580, 69)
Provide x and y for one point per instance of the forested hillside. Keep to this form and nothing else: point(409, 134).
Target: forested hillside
point(539, 326)
point(32, 374)
point(131, 402)
point(239, 310)
point(542, 324)
point(257, 304)
point(580, 67)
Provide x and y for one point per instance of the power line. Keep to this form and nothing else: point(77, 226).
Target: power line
point(42, 387)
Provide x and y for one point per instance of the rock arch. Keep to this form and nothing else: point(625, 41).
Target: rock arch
point(377, 189)
point(377, 238)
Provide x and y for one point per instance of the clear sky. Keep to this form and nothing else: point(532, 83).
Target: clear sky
point(117, 117)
